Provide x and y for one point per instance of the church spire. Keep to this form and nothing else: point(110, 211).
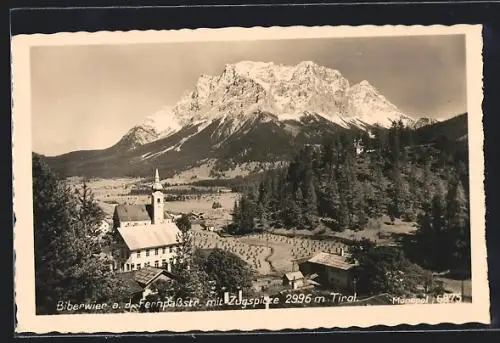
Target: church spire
point(157, 200)
point(157, 186)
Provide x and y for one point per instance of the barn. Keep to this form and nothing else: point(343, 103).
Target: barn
point(294, 280)
point(333, 270)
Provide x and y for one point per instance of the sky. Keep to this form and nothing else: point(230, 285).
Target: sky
point(88, 97)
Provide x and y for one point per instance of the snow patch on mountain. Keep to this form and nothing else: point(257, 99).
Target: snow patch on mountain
point(164, 122)
point(243, 90)
point(368, 106)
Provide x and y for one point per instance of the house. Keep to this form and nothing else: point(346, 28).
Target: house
point(140, 283)
point(358, 145)
point(176, 216)
point(208, 226)
point(224, 190)
point(144, 234)
point(294, 279)
point(263, 283)
point(334, 270)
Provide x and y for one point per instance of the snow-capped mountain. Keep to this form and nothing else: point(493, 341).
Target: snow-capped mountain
point(288, 92)
point(250, 112)
point(421, 122)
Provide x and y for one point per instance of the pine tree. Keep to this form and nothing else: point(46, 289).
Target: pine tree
point(343, 214)
point(379, 205)
point(394, 143)
point(426, 236)
point(236, 212)
point(185, 245)
point(310, 200)
point(189, 280)
point(247, 212)
point(332, 199)
point(439, 228)
point(311, 207)
point(89, 214)
point(457, 221)
point(68, 263)
point(398, 193)
point(298, 210)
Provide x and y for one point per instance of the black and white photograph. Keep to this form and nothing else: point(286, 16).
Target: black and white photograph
point(250, 173)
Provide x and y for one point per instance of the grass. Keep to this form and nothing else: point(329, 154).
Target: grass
point(109, 192)
point(380, 231)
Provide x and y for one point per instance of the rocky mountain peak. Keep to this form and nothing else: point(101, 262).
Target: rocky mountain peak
point(286, 91)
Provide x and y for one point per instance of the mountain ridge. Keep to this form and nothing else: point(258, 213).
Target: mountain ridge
point(247, 87)
point(250, 112)
point(280, 145)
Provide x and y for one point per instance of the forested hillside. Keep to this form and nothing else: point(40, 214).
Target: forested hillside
point(414, 175)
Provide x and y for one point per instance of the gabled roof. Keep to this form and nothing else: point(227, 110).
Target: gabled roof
point(294, 276)
point(148, 274)
point(132, 286)
point(137, 280)
point(149, 236)
point(332, 260)
point(132, 213)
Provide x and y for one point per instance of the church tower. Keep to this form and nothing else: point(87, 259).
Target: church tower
point(157, 200)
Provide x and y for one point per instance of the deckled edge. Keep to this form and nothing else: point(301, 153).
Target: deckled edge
point(28, 322)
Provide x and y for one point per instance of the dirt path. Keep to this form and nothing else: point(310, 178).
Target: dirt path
point(268, 260)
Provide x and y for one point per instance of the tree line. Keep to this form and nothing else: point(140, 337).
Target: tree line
point(356, 176)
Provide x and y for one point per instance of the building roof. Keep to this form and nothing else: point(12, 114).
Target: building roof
point(149, 236)
point(294, 276)
point(133, 213)
point(146, 275)
point(136, 280)
point(332, 260)
point(132, 286)
point(311, 282)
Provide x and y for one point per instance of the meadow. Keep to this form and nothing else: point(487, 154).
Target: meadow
point(267, 253)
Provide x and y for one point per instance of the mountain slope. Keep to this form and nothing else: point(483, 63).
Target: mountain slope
point(453, 129)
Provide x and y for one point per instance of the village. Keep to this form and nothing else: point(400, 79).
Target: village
point(292, 267)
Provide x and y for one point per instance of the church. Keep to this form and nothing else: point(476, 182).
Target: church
point(146, 235)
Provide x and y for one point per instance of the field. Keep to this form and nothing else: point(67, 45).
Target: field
point(205, 171)
point(381, 231)
point(267, 253)
point(110, 192)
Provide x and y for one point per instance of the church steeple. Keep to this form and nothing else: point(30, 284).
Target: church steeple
point(157, 186)
point(157, 200)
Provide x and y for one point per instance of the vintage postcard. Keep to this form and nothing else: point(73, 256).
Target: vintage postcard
point(248, 178)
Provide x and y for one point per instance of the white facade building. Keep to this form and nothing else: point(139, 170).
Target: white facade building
point(146, 235)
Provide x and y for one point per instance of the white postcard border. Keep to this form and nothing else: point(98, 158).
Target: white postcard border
point(243, 320)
